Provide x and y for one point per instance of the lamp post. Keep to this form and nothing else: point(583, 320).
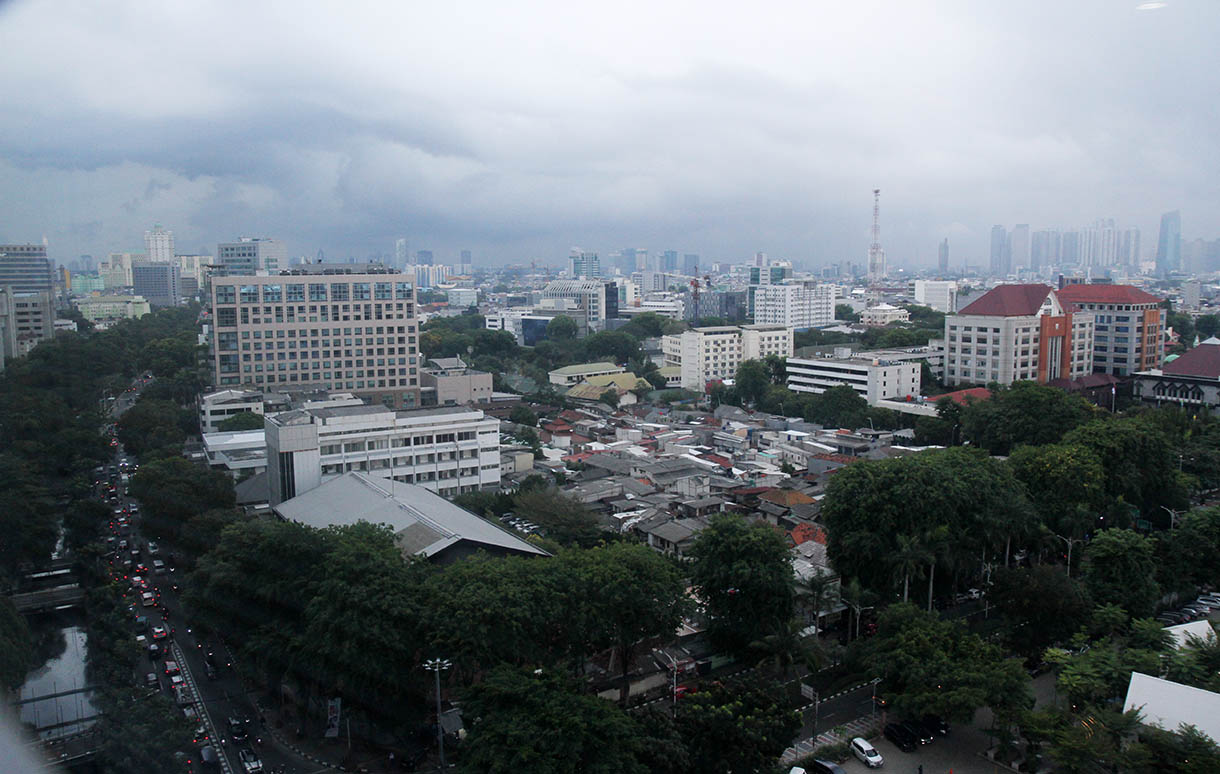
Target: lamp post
point(1173, 516)
point(436, 666)
point(1069, 542)
point(673, 668)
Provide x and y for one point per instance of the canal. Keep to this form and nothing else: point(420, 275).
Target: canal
point(54, 703)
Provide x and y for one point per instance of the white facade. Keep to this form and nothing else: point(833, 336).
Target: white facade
point(96, 308)
point(463, 297)
point(940, 295)
point(808, 305)
point(159, 245)
point(884, 314)
point(593, 296)
point(713, 353)
point(874, 379)
point(445, 450)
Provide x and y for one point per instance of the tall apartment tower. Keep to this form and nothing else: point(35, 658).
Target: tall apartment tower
point(1019, 247)
point(1000, 258)
point(942, 259)
point(159, 245)
point(401, 256)
point(690, 264)
point(26, 269)
point(584, 265)
point(877, 270)
point(249, 256)
point(350, 327)
point(465, 262)
point(423, 258)
point(1168, 245)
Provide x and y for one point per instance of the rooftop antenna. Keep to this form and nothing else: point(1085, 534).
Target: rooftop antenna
point(876, 254)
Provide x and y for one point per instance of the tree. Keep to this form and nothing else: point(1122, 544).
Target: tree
point(1066, 484)
point(1024, 413)
point(1138, 459)
point(562, 517)
point(610, 398)
point(935, 666)
point(16, 646)
point(1120, 568)
point(562, 328)
point(536, 721)
point(839, 406)
point(845, 313)
point(868, 504)
point(174, 489)
point(246, 420)
point(522, 415)
point(752, 380)
point(630, 593)
point(1041, 605)
point(735, 728)
point(909, 560)
point(1188, 750)
point(743, 574)
point(788, 645)
point(1207, 325)
point(618, 346)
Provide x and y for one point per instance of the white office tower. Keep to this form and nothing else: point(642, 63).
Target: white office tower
point(159, 245)
point(800, 306)
point(941, 295)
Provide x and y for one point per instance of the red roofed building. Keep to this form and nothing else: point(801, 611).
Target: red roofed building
point(1014, 333)
point(1192, 380)
point(965, 397)
point(1128, 323)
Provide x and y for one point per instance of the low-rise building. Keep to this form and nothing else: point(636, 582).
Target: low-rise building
point(106, 308)
point(449, 450)
point(884, 314)
point(26, 320)
point(572, 375)
point(1128, 324)
point(462, 298)
point(713, 353)
point(873, 378)
point(799, 306)
point(449, 382)
point(1191, 380)
point(940, 295)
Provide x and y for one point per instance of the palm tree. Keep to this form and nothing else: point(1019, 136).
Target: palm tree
point(935, 543)
point(908, 560)
point(857, 598)
point(821, 588)
point(786, 645)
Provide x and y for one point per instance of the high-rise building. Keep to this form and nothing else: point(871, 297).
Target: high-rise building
point(1069, 254)
point(1129, 248)
point(940, 295)
point(159, 283)
point(401, 256)
point(423, 258)
point(321, 326)
point(582, 265)
point(1168, 245)
point(1045, 248)
point(1129, 335)
point(1019, 250)
point(159, 245)
point(249, 256)
point(1000, 262)
point(465, 262)
point(598, 299)
point(690, 264)
point(713, 353)
point(26, 269)
point(669, 261)
point(942, 258)
point(807, 305)
point(26, 320)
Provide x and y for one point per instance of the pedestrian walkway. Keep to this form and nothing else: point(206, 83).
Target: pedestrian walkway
point(859, 727)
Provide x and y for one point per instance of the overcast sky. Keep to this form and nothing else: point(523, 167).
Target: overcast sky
point(521, 129)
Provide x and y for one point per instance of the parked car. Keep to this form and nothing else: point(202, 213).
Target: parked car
point(916, 729)
point(208, 757)
point(900, 736)
point(938, 726)
point(866, 753)
point(823, 767)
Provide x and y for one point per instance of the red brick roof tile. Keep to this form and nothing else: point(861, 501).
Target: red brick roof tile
point(1203, 360)
point(1009, 301)
point(1105, 294)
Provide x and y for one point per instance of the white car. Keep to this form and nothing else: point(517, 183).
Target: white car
point(867, 754)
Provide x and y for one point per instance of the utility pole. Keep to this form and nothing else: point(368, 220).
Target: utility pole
point(436, 666)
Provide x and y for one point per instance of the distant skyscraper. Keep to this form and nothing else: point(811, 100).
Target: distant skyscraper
point(159, 283)
point(690, 264)
point(1019, 251)
point(401, 255)
point(423, 258)
point(584, 265)
point(942, 259)
point(669, 261)
point(1069, 254)
point(1129, 248)
point(159, 245)
point(1169, 244)
point(1044, 249)
point(999, 251)
point(465, 263)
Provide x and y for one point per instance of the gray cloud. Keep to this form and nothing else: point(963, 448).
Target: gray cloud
point(519, 131)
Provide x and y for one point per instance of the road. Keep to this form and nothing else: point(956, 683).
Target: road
point(217, 699)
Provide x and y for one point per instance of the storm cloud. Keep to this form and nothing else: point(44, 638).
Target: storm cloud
point(519, 130)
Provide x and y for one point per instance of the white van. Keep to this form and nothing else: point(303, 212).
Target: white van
point(867, 754)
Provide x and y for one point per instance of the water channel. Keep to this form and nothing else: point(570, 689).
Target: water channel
point(61, 652)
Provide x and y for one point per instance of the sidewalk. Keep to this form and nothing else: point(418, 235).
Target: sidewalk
point(328, 753)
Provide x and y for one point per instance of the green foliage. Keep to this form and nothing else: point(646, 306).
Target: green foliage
point(845, 313)
point(752, 380)
point(155, 428)
point(174, 490)
point(743, 573)
point(16, 649)
point(562, 517)
point(610, 398)
point(1041, 605)
point(934, 666)
point(246, 420)
point(539, 722)
point(1190, 553)
point(730, 728)
point(1120, 568)
point(971, 497)
point(522, 415)
point(1066, 484)
point(1025, 413)
point(616, 346)
point(1207, 325)
point(1138, 458)
point(562, 328)
point(926, 317)
point(1188, 751)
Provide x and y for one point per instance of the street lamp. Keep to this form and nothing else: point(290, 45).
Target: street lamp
point(436, 666)
point(1173, 516)
point(673, 666)
point(1069, 542)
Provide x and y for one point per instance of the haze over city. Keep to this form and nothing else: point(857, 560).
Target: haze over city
point(718, 129)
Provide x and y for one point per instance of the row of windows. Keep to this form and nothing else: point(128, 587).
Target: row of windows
point(227, 316)
point(317, 291)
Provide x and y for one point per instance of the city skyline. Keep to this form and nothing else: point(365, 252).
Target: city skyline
point(765, 131)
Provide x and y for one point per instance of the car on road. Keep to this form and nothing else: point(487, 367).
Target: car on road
point(153, 548)
point(208, 757)
point(210, 671)
point(148, 599)
point(154, 651)
point(152, 681)
point(866, 753)
point(237, 728)
point(901, 737)
point(158, 567)
point(159, 632)
point(249, 761)
point(171, 668)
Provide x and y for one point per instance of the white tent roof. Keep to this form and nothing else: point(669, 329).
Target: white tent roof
point(1169, 705)
point(1182, 632)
